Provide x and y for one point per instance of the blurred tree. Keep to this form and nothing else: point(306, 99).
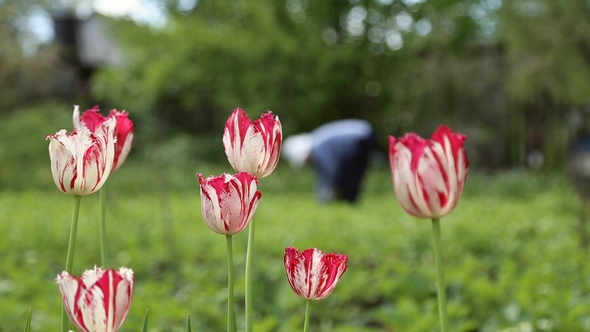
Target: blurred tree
point(25, 71)
point(251, 55)
point(488, 68)
point(548, 54)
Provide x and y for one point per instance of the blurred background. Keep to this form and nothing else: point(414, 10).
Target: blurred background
point(513, 75)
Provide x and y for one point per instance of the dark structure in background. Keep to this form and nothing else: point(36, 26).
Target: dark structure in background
point(85, 46)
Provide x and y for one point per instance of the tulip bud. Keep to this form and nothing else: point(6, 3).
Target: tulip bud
point(228, 202)
point(253, 147)
point(428, 175)
point(312, 274)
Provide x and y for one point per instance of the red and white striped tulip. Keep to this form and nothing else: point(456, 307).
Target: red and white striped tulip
point(93, 119)
point(428, 174)
point(312, 274)
point(99, 300)
point(81, 161)
point(253, 147)
point(228, 202)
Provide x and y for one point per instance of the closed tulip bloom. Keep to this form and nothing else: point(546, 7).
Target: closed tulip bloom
point(228, 202)
point(93, 119)
point(253, 147)
point(99, 300)
point(428, 175)
point(81, 161)
point(312, 274)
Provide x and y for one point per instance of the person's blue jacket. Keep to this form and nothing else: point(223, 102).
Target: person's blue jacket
point(340, 152)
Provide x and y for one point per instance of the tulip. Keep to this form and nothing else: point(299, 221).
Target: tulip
point(228, 202)
point(123, 134)
point(93, 119)
point(253, 147)
point(99, 300)
point(312, 274)
point(81, 161)
point(428, 175)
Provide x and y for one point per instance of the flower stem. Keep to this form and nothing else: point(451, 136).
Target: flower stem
point(103, 225)
point(248, 278)
point(307, 314)
point(440, 277)
point(231, 313)
point(70, 256)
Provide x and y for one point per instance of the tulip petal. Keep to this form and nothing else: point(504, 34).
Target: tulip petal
point(123, 131)
point(124, 135)
point(428, 175)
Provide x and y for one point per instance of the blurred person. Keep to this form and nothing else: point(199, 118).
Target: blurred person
point(339, 151)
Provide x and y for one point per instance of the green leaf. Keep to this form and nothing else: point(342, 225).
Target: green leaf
point(145, 321)
point(188, 323)
point(28, 322)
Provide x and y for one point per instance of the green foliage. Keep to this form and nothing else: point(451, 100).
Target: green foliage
point(251, 55)
point(548, 49)
point(25, 76)
point(496, 70)
point(23, 146)
point(511, 255)
point(302, 60)
point(512, 248)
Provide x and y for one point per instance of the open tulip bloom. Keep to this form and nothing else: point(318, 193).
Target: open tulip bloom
point(99, 300)
point(428, 178)
point(253, 146)
point(81, 161)
point(312, 274)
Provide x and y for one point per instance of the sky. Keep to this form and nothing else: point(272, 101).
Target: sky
point(141, 11)
point(146, 12)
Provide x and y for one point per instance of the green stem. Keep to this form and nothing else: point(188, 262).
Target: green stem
point(440, 277)
point(71, 252)
point(307, 314)
point(231, 313)
point(103, 225)
point(248, 278)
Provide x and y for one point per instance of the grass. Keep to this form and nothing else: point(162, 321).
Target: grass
point(512, 252)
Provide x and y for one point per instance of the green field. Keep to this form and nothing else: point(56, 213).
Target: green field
point(512, 251)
